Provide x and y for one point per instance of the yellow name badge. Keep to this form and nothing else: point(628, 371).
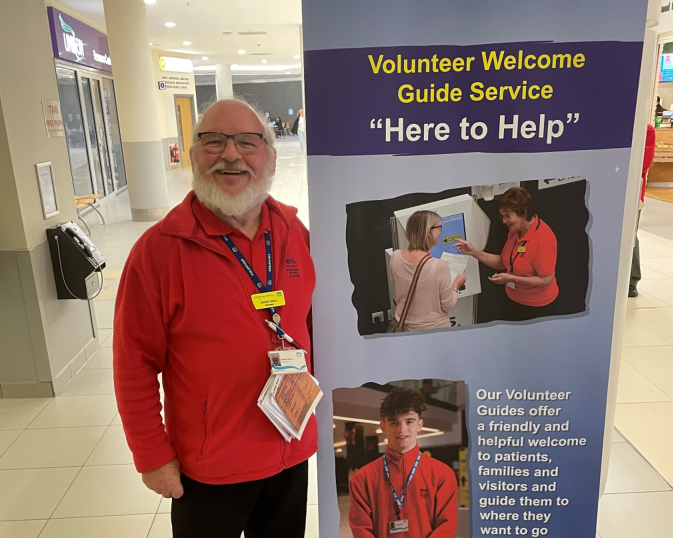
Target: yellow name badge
point(521, 249)
point(268, 299)
point(452, 238)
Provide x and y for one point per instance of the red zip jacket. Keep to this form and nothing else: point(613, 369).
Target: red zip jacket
point(431, 504)
point(184, 310)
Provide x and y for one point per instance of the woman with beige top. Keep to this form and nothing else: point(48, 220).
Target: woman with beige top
point(435, 293)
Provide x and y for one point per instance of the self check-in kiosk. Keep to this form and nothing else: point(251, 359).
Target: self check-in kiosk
point(77, 263)
point(462, 218)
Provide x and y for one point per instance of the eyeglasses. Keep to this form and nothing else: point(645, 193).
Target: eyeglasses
point(246, 143)
point(438, 227)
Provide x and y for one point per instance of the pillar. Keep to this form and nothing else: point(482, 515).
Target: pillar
point(223, 83)
point(128, 36)
point(45, 341)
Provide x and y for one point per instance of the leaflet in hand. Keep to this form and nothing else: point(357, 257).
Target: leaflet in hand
point(457, 263)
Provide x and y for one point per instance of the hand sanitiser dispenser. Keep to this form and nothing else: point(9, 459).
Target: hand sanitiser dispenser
point(77, 263)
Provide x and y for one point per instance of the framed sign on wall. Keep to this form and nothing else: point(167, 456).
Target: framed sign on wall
point(45, 181)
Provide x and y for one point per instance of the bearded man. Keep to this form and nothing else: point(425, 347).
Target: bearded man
point(184, 310)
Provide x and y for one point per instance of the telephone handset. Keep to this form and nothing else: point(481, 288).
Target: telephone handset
point(77, 262)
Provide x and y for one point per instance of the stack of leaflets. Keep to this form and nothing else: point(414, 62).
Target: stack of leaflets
point(290, 395)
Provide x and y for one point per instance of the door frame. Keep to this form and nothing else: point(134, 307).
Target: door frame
point(90, 73)
point(192, 100)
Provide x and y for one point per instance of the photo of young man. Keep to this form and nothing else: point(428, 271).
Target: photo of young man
point(404, 492)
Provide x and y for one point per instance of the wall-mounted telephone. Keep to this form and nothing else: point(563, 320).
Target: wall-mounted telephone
point(77, 263)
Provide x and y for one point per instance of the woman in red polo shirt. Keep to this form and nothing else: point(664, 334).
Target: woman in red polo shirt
point(528, 260)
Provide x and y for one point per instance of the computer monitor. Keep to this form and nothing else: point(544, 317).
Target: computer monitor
point(453, 227)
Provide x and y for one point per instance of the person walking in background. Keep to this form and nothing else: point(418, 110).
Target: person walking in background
point(299, 128)
point(435, 294)
point(650, 141)
point(528, 259)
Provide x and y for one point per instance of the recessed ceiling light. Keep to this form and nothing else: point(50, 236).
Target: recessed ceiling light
point(169, 24)
point(150, 44)
point(263, 61)
point(150, 1)
point(204, 57)
point(186, 42)
point(287, 73)
point(241, 51)
point(296, 56)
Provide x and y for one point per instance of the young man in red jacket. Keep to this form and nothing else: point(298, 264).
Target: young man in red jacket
point(184, 310)
point(404, 492)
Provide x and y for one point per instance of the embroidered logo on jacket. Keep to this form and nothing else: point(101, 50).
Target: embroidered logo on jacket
point(424, 493)
point(292, 267)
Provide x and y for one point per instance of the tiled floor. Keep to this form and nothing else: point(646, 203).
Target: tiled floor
point(65, 469)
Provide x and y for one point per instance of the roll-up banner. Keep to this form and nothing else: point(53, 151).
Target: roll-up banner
point(468, 166)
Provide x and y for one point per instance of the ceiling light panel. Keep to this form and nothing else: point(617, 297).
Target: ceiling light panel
point(170, 25)
point(251, 32)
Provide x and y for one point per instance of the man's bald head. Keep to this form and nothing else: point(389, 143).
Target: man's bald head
point(228, 111)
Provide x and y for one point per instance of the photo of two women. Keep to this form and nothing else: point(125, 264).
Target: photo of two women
point(418, 262)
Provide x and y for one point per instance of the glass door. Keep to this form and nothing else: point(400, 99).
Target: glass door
point(101, 131)
point(73, 122)
point(114, 134)
point(92, 134)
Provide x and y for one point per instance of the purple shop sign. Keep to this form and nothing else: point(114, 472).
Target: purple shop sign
point(77, 42)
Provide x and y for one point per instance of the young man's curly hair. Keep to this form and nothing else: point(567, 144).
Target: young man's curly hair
point(401, 401)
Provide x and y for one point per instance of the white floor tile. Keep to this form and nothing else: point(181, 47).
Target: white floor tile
point(7, 437)
point(653, 363)
point(75, 411)
point(647, 253)
point(637, 335)
point(99, 527)
point(161, 528)
point(649, 274)
point(101, 360)
point(103, 335)
point(56, 447)
point(108, 307)
point(16, 414)
point(165, 506)
point(647, 426)
point(312, 530)
point(617, 437)
point(313, 480)
point(661, 289)
point(112, 449)
point(22, 529)
point(104, 321)
point(660, 265)
point(628, 472)
point(117, 421)
point(636, 515)
point(33, 493)
point(633, 387)
point(108, 340)
point(113, 490)
point(644, 300)
point(658, 320)
point(90, 383)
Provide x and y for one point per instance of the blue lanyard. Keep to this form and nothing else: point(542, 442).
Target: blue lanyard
point(398, 500)
point(523, 244)
point(251, 273)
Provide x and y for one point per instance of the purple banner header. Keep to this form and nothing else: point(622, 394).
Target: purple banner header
point(499, 98)
point(77, 42)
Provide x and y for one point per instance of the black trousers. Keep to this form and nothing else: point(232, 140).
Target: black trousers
point(522, 312)
point(273, 507)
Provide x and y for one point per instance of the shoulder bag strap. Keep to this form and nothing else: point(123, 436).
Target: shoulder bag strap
point(412, 290)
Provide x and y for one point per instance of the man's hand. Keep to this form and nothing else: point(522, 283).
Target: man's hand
point(165, 480)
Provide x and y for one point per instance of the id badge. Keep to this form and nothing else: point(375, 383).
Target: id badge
point(287, 361)
point(398, 526)
point(521, 249)
point(511, 285)
point(268, 300)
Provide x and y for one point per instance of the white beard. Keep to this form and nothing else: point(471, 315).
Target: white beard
point(231, 205)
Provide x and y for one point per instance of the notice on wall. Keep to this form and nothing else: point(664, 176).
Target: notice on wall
point(477, 384)
point(53, 119)
point(173, 83)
